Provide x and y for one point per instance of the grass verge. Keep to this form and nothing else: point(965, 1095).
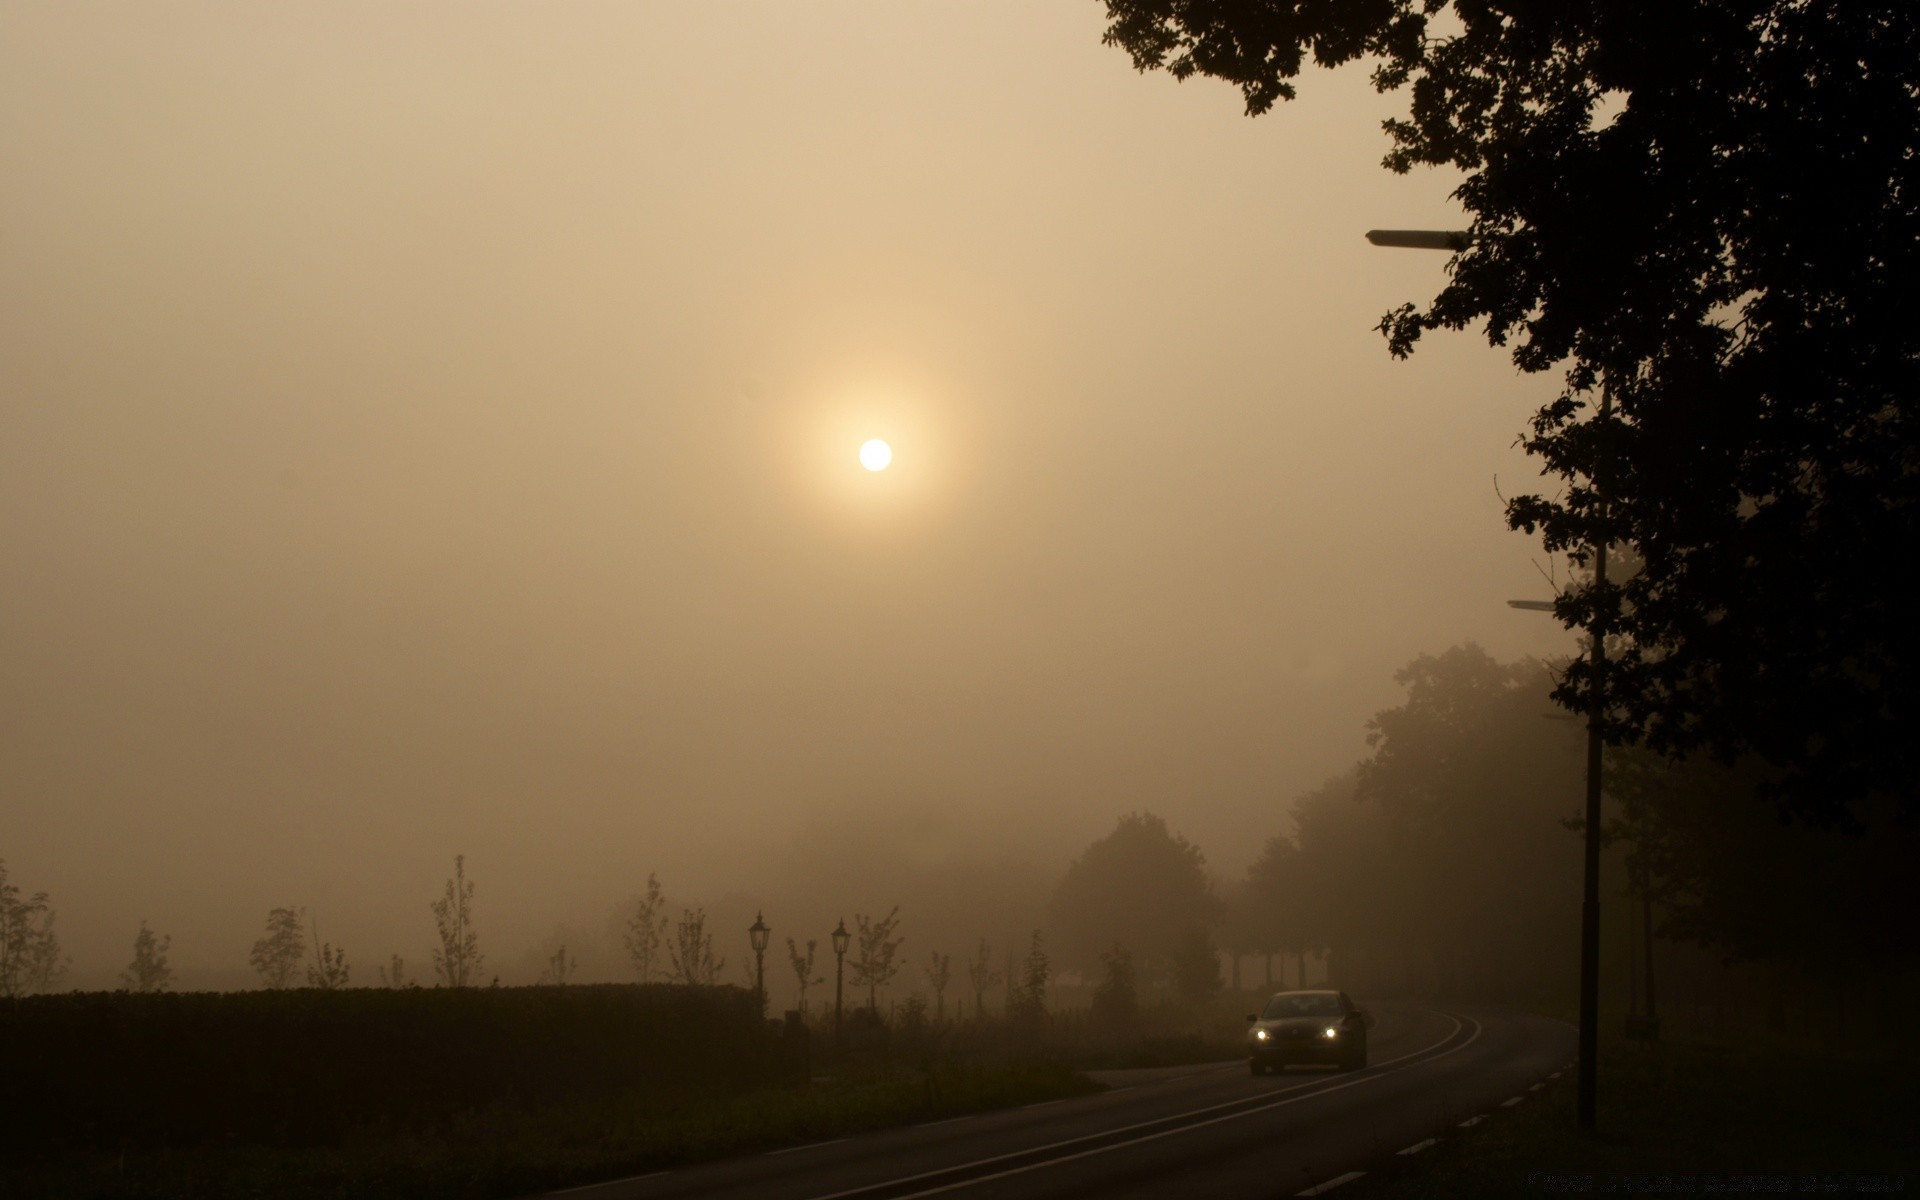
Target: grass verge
point(1683, 1119)
point(500, 1153)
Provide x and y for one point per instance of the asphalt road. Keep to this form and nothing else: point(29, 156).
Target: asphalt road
point(1215, 1131)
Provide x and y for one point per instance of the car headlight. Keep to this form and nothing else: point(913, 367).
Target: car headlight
point(1330, 1031)
point(1259, 1035)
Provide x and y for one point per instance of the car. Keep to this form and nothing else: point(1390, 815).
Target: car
point(1308, 1026)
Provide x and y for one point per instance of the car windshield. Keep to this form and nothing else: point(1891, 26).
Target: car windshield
point(1303, 1004)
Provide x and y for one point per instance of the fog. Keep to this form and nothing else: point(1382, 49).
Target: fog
point(431, 430)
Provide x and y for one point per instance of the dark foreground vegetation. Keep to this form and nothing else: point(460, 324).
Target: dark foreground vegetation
point(497, 1091)
point(1691, 1116)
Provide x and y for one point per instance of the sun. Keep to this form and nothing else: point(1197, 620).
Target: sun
point(875, 454)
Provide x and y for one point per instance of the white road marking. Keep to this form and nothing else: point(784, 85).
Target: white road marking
point(808, 1146)
point(1470, 1122)
point(1511, 1101)
point(1556, 1075)
point(1417, 1147)
point(1536, 1087)
point(1375, 1073)
point(1331, 1184)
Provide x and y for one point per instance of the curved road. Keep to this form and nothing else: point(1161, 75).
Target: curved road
point(1216, 1131)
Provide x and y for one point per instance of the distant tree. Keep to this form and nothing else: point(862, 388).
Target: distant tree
point(457, 961)
point(873, 962)
point(939, 975)
point(1116, 999)
point(394, 975)
point(148, 972)
point(559, 968)
point(1267, 911)
point(803, 967)
point(982, 974)
point(1142, 884)
point(1196, 968)
point(277, 955)
point(647, 930)
point(691, 951)
point(1028, 1001)
point(29, 952)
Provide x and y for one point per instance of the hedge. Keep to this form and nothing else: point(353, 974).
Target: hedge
point(306, 1065)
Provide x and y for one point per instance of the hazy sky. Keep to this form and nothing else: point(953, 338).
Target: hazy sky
point(431, 428)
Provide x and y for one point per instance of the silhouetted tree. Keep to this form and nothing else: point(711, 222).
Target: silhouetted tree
point(1027, 1002)
point(394, 974)
point(1116, 999)
point(939, 975)
point(329, 968)
point(457, 961)
point(803, 967)
point(982, 974)
point(276, 956)
point(691, 951)
point(29, 952)
point(1706, 209)
point(1141, 884)
point(148, 972)
point(1267, 911)
point(1196, 967)
point(558, 968)
point(875, 949)
point(646, 930)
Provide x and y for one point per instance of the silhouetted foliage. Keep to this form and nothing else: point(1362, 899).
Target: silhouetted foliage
point(148, 972)
point(29, 952)
point(457, 960)
point(691, 950)
point(1027, 999)
point(1727, 874)
point(1265, 913)
point(982, 974)
point(803, 967)
point(646, 930)
point(1708, 210)
point(1442, 861)
point(329, 968)
point(1141, 884)
point(875, 949)
point(277, 954)
point(939, 975)
point(394, 974)
point(1196, 968)
point(1116, 999)
point(559, 968)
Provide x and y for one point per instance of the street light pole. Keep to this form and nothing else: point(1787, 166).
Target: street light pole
point(757, 934)
point(1455, 240)
point(840, 939)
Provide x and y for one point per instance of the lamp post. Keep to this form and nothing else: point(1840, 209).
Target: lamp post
point(757, 934)
point(1454, 241)
point(840, 939)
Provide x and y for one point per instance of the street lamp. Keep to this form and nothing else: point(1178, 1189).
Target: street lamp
point(1456, 240)
point(1421, 239)
point(840, 939)
point(757, 934)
